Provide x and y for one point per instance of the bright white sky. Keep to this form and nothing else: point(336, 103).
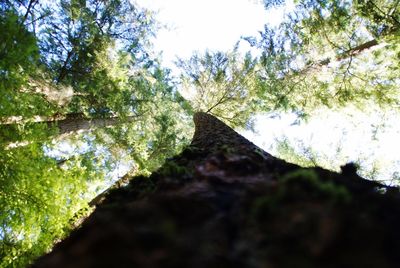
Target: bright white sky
point(197, 25)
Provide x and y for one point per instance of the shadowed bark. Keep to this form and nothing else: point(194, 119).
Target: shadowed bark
point(223, 202)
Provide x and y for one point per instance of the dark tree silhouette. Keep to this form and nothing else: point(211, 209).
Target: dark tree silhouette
point(223, 202)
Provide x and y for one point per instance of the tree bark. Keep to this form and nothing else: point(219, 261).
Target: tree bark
point(223, 202)
point(316, 66)
point(69, 124)
point(75, 123)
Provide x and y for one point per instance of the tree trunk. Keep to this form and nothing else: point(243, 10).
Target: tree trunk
point(73, 124)
point(316, 66)
point(69, 124)
point(223, 202)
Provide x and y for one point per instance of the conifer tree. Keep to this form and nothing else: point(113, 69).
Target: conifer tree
point(223, 202)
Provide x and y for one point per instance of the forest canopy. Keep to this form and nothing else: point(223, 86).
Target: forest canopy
point(84, 96)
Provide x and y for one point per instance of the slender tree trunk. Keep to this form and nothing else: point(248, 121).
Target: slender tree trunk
point(77, 124)
point(67, 123)
point(358, 49)
point(316, 66)
point(71, 123)
point(223, 202)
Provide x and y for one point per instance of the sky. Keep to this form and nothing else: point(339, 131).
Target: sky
point(197, 25)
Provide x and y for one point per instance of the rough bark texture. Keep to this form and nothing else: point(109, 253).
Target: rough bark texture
point(223, 202)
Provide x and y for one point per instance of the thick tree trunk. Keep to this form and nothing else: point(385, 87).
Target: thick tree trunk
point(223, 202)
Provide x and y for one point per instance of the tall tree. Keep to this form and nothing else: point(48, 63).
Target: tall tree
point(65, 125)
point(67, 66)
point(224, 202)
point(91, 55)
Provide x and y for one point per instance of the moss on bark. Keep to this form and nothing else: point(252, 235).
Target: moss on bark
point(223, 202)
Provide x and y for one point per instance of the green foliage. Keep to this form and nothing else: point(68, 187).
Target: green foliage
point(18, 51)
point(96, 47)
point(19, 56)
point(38, 199)
point(383, 16)
point(221, 84)
point(163, 129)
point(69, 62)
point(331, 53)
point(90, 59)
point(286, 151)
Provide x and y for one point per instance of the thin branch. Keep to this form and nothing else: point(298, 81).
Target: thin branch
point(220, 101)
point(28, 9)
